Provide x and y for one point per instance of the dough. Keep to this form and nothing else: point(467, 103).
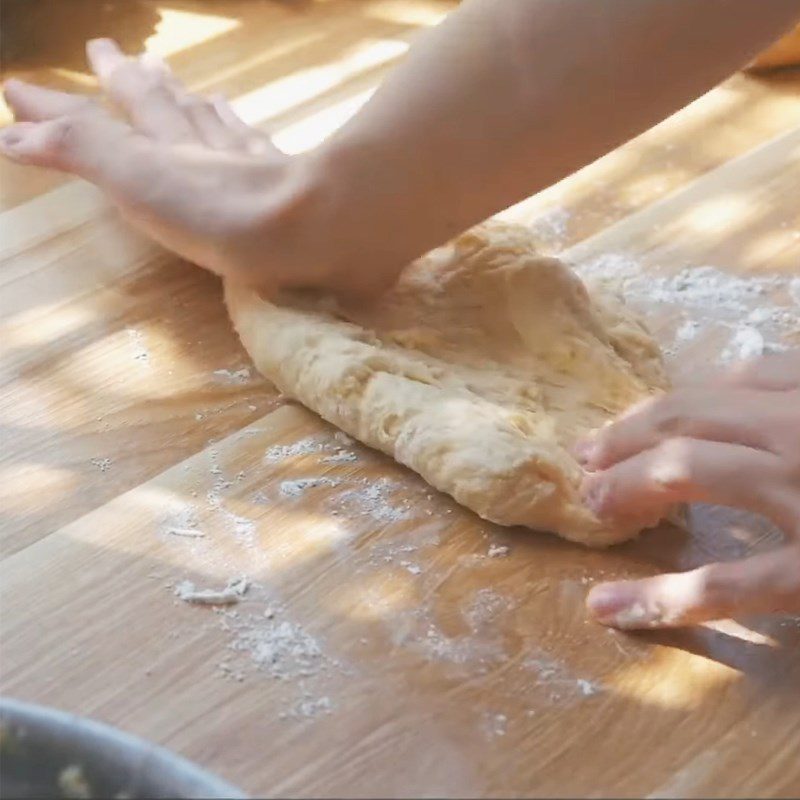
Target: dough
point(479, 370)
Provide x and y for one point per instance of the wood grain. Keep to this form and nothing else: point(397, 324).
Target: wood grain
point(125, 415)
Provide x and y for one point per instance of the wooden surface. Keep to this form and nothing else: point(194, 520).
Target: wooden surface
point(440, 671)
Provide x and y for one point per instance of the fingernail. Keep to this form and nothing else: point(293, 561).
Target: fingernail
point(582, 450)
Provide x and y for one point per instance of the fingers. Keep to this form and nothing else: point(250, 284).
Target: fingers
point(690, 470)
point(699, 412)
point(778, 372)
point(211, 130)
point(36, 104)
point(93, 146)
point(255, 141)
point(768, 583)
point(140, 87)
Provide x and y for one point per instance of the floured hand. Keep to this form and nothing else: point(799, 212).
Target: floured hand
point(735, 441)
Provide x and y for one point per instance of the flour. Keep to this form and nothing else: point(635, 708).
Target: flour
point(181, 520)
point(312, 445)
point(240, 376)
point(464, 650)
point(794, 290)
point(188, 533)
point(310, 707)
point(304, 447)
point(486, 606)
point(341, 457)
point(755, 313)
point(746, 342)
point(232, 593)
point(371, 499)
point(243, 528)
point(495, 724)
point(136, 344)
point(280, 647)
point(297, 487)
point(103, 464)
point(557, 680)
point(498, 551)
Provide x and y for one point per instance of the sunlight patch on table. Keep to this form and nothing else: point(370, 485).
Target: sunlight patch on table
point(374, 598)
point(52, 484)
point(279, 96)
point(671, 679)
point(312, 130)
point(404, 12)
point(180, 30)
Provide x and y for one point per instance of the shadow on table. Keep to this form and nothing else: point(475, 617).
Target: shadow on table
point(53, 33)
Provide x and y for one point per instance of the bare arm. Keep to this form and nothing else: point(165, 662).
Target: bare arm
point(508, 97)
point(501, 100)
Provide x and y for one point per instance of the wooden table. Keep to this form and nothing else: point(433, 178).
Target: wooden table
point(389, 644)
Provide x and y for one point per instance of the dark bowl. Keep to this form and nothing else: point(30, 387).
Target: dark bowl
point(49, 753)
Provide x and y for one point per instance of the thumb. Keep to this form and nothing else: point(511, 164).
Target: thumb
point(768, 583)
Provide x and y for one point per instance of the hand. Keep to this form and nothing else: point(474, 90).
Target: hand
point(734, 441)
point(184, 169)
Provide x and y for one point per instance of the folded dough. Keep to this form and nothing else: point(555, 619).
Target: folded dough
point(479, 370)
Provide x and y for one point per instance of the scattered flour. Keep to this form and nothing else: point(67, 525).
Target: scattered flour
point(587, 688)
point(484, 608)
point(340, 457)
point(280, 648)
point(337, 446)
point(182, 521)
point(794, 290)
point(304, 447)
point(372, 499)
point(746, 342)
point(239, 376)
point(103, 464)
point(296, 488)
point(232, 593)
point(557, 679)
point(465, 650)
point(498, 551)
point(137, 346)
point(187, 533)
point(755, 312)
point(310, 707)
point(495, 724)
point(243, 528)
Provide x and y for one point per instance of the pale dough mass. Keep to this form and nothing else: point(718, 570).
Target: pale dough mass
point(479, 370)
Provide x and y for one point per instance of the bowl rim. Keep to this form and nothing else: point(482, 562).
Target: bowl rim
point(133, 751)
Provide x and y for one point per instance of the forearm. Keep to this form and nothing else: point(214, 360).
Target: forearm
point(505, 98)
